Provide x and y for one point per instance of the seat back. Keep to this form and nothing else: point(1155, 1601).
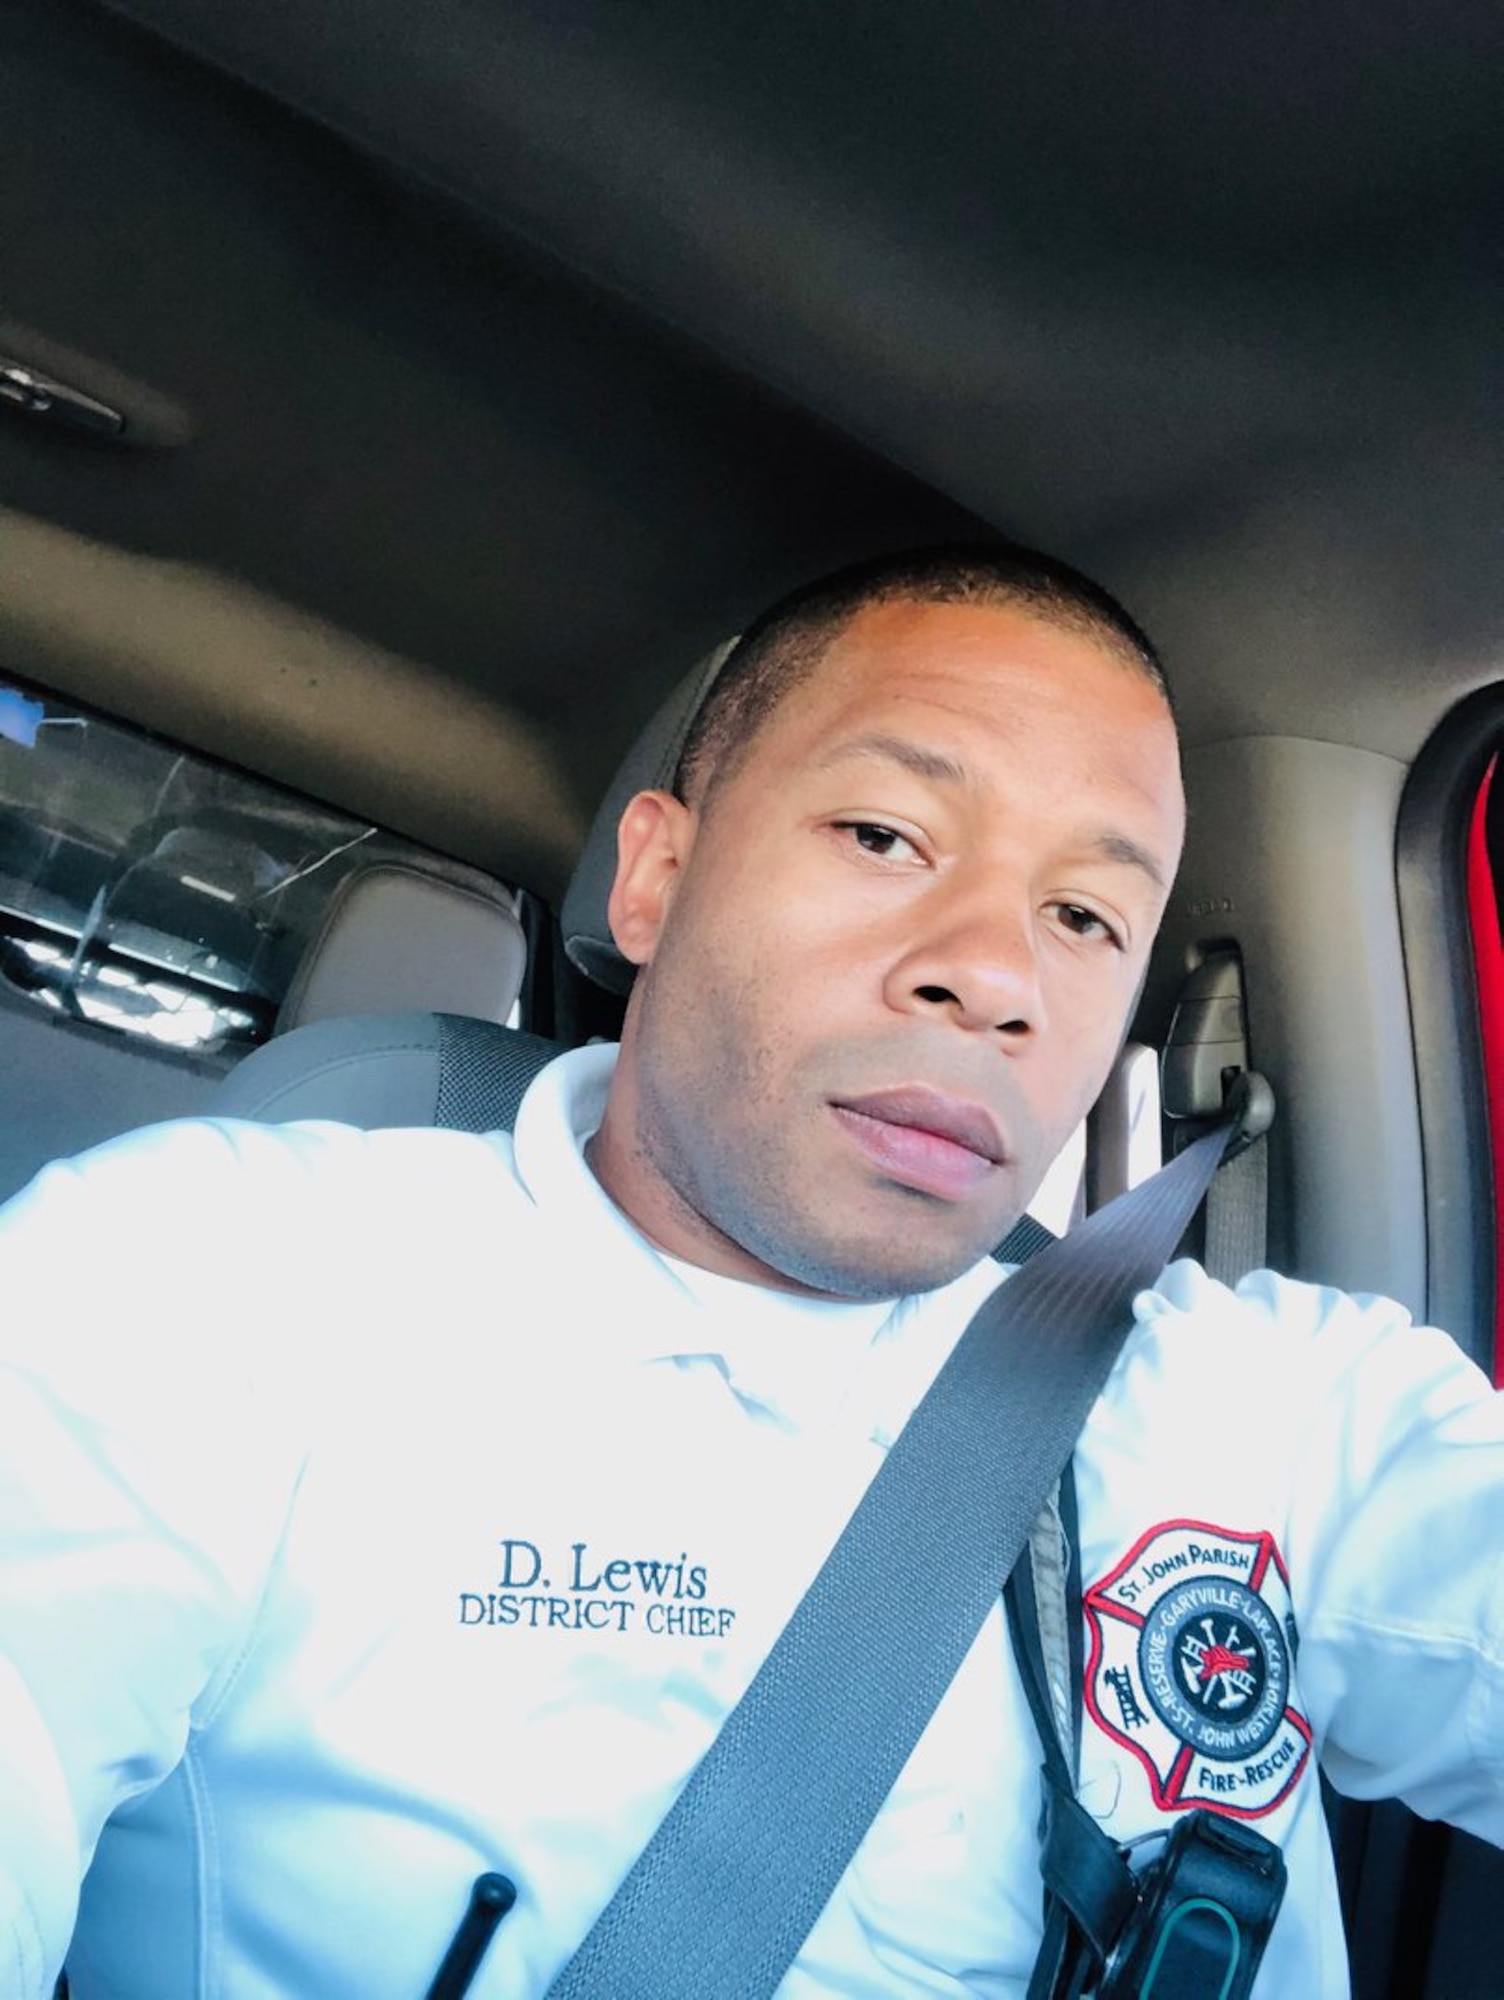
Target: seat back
point(378, 1070)
point(396, 936)
point(396, 1014)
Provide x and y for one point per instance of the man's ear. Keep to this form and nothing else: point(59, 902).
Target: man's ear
point(653, 841)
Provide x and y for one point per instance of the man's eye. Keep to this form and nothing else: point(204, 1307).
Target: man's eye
point(875, 839)
point(1086, 923)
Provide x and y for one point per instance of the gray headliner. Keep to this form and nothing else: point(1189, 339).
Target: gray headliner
point(1137, 299)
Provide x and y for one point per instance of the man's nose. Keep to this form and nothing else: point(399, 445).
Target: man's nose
point(978, 964)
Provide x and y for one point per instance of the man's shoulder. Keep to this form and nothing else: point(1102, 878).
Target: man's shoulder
point(292, 1249)
point(1286, 1308)
point(1292, 1335)
point(185, 1148)
point(207, 1175)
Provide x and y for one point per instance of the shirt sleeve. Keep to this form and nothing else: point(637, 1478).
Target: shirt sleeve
point(146, 1467)
point(1397, 1533)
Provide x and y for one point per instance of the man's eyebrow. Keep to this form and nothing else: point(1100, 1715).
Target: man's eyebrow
point(899, 750)
point(936, 765)
point(1118, 847)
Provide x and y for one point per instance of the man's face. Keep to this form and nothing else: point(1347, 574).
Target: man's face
point(888, 964)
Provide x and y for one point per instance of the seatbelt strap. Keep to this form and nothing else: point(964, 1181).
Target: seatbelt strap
point(1235, 1226)
point(1237, 1215)
point(724, 1894)
point(1024, 1240)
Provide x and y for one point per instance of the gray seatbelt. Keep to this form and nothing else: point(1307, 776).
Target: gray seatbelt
point(1235, 1229)
point(1237, 1216)
point(1206, 1056)
point(724, 1894)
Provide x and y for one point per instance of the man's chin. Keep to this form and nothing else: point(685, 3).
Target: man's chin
point(896, 1266)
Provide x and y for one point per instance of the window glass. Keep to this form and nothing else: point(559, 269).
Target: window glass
point(148, 890)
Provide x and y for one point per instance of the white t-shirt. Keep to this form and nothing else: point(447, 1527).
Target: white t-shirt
point(379, 1509)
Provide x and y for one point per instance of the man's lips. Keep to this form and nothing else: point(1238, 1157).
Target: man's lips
point(939, 1145)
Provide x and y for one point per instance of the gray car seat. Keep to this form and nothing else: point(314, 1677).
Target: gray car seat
point(397, 935)
point(395, 1016)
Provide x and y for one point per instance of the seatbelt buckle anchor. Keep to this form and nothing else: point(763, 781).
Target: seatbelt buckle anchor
point(1248, 1108)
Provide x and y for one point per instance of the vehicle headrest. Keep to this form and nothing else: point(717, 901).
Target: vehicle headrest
point(395, 937)
point(648, 766)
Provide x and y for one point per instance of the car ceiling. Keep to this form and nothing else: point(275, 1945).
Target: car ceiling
point(491, 361)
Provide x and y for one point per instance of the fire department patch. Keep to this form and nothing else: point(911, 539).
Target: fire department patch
point(1192, 1668)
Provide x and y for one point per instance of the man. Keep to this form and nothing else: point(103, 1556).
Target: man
point(456, 1557)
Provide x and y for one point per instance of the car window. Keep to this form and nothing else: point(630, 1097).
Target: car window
point(149, 890)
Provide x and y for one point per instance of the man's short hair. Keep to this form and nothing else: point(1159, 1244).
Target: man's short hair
point(783, 646)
